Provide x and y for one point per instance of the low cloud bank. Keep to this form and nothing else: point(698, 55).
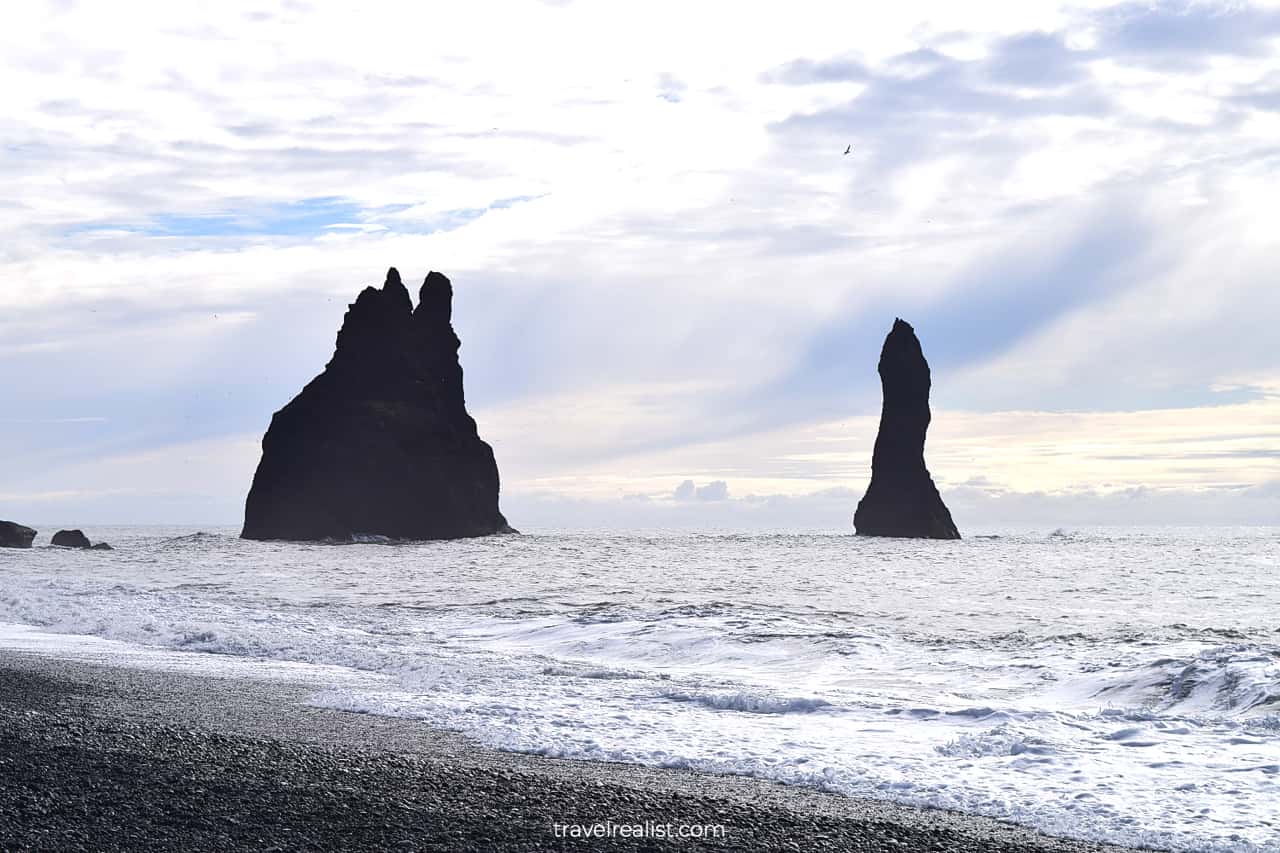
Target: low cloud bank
point(975, 509)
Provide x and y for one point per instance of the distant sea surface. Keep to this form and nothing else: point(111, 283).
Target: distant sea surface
point(1112, 684)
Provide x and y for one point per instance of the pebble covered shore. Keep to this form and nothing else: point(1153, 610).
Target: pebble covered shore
point(106, 759)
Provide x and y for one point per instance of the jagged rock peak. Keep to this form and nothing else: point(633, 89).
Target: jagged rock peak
point(435, 299)
point(381, 317)
point(396, 291)
point(380, 443)
point(902, 499)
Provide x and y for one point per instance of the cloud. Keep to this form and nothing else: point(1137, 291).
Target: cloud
point(958, 95)
point(1040, 60)
point(717, 490)
point(926, 99)
point(804, 72)
point(1182, 34)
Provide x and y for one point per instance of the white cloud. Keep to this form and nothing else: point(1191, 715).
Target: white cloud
point(717, 490)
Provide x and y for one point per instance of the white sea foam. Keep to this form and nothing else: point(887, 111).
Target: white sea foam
point(750, 703)
point(1120, 686)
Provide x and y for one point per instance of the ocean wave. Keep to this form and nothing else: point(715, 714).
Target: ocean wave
point(1235, 680)
point(199, 542)
point(597, 674)
point(999, 740)
point(750, 703)
point(362, 539)
point(198, 536)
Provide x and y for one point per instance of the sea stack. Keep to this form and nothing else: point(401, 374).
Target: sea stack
point(902, 499)
point(380, 443)
point(14, 535)
point(71, 539)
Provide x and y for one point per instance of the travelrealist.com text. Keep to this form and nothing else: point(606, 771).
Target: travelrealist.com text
point(645, 829)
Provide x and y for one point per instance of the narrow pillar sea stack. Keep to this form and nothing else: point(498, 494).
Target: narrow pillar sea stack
point(380, 443)
point(902, 499)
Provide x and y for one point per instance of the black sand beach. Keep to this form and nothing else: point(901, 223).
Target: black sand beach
point(109, 759)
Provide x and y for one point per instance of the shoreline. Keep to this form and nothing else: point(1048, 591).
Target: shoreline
point(98, 757)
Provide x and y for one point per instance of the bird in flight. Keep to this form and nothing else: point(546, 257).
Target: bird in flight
point(848, 149)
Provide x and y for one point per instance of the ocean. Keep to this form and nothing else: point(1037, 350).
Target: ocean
point(1118, 684)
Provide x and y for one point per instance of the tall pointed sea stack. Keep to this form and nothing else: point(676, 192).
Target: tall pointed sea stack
point(902, 499)
point(380, 443)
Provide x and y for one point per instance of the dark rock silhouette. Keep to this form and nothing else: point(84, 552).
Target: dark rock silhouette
point(902, 499)
point(380, 443)
point(14, 535)
point(102, 546)
point(71, 539)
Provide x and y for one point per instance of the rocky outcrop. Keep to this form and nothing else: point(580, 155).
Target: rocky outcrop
point(380, 443)
point(902, 499)
point(14, 535)
point(71, 539)
point(76, 539)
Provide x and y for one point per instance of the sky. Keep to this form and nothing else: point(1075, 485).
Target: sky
point(672, 283)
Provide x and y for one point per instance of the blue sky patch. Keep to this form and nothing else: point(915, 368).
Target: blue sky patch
point(310, 217)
